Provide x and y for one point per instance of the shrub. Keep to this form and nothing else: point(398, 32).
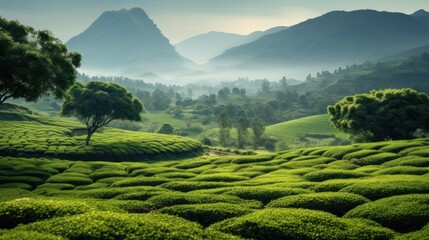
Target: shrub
point(418, 235)
point(380, 189)
point(414, 161)
point(16, 185)
point(334, 185)
point(71, 178)
point(28, 235)
point(181, 175)
point(193, 164)
point(334, 202)
point(58, 186)
point(140, 181)
point(142, 196)
point(300, 224)
point(220, 177)
point(378, 158)
point(101, 193)
point(264, 193)
point(402, 170)
point(97, 175)
point(396, 147)
point(171, 199)
point(13, 193)
point(27, 210)
point(33, 181)
point(400, 213)
point(360, 154)
point(110, 225)
point(342, 164)
point(327, 174)
point(207, 214)
point(190, 186)
point(339, 152)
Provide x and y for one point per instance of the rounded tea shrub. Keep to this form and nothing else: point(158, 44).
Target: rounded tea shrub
point(401, 213)
point(110, 225)
point(334, 202)
point(417, 235)
point(279, 224)
point(27, 210)
point(264, 193)
point(328, 174)
point(140, 181)
point(207, 214)
point(28, 235)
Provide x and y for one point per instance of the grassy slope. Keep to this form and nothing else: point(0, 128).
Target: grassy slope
point(23, 133)
point(247, 196)
point(290, 130)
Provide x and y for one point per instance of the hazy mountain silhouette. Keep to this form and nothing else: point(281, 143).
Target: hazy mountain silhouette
point(127, 42)
point(335, 39)
point(422, 16)
point(408, 53)
point(203, 47)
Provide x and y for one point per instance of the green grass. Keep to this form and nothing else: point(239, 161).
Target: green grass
point(289, 131)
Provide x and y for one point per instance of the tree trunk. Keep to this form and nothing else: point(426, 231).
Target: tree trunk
point(88, 137)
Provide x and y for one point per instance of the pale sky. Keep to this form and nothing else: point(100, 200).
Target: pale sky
point(181, 19)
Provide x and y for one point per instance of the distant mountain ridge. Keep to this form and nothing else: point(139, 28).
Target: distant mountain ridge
point(129, 43)
point(335, 39)
point(203, 47)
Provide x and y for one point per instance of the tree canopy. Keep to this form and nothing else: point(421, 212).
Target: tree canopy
point(381, 115)
point(98, 103)
point(33, 63)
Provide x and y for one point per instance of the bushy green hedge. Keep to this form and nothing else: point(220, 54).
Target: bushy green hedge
point(263, 193)
point(97, 175)
point(141, 181)
point(380, 189)
point(183, 186)
point(16, 185)
point(399, 146)
point(181, 175)
point(405, 170)
point(171, 199)
point(334, 202)
point(219, 177)
point(27, 235)
point(282, 224)
point(59, 186)
point(109, 225)
point(27, 210)
point(70, 178)
point(207, 214)
point(401, 213)
point(378, 158)
point(339, 152)
point(417, 235)
point(328, 174)
point(414, 161)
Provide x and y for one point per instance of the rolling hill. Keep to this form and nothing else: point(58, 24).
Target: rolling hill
point(203, 47)
point(333, 39)
point(127, 42)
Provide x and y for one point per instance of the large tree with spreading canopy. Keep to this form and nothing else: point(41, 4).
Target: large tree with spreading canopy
point(382, 115)
point(98, 103)
point(33, 63)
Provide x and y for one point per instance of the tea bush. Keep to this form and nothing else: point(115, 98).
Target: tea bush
point(334, 202)
point(401, 213)
point(263, 193)
point(327, 174)
point(207, 214)
point(300, 224)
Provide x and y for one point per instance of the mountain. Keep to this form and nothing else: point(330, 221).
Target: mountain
point(127, 42)
point(203, 47)
point(408, 53)
point(420, 13)
point(333, 39)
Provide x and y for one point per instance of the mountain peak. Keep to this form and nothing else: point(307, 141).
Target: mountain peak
point(420, 13)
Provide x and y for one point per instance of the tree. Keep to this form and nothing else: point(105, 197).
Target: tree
point(224, 125)
point(241, 125)
point(33, 63)
point(265, 86)
point(258, 130)
point(98, 103)
point(381, 115)
point(166, 128)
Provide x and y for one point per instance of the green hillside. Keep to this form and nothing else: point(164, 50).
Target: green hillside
point(360, 191)
point(317, 126)
point(24, 133)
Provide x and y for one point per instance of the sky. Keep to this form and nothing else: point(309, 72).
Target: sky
point(181, 19)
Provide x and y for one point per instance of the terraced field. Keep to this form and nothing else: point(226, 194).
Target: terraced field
point(23, 133)
point(361, 191)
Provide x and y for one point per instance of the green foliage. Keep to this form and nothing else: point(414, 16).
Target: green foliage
point(337, 203)
point(300, 224)
point(207, 214)
point(219, 177)
point(27, 210)
point(383, 114)
point(326, 174)
point(165, 128)
point(402, 170)
point(109, 225)
point(417, 235)
point(401, 213)
point(34, 63)
point(380, 189)
point(140, 181)
point(98, 103)
point(188, 186)
point(265, 194)
point(27, 235)
point(70, 178)
point(378, 158)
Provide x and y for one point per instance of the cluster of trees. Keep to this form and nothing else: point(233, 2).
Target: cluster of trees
point(389, 114)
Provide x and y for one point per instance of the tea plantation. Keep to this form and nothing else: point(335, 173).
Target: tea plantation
point(52, 187)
